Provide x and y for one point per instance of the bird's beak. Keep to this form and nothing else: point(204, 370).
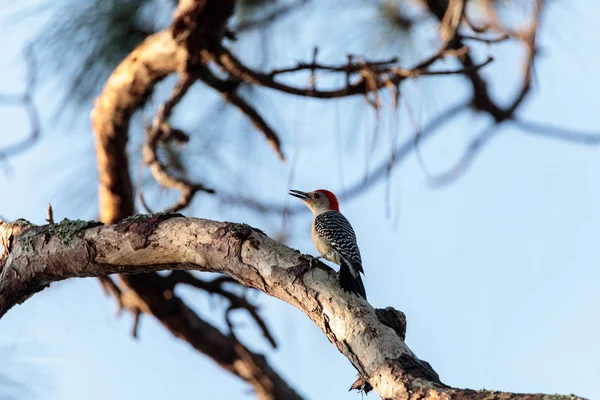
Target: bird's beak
point(299, 194)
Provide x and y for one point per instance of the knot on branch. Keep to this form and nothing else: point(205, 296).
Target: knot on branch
point(394, 319)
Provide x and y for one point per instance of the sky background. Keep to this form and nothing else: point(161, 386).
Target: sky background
point(498, 272)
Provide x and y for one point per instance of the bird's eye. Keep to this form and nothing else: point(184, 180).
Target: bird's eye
point(317, 195)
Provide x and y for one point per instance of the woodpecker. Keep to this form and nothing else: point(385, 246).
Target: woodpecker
point(334, 238)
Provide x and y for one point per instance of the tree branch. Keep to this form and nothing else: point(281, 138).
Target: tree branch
point(147, 293)
point(38, 256)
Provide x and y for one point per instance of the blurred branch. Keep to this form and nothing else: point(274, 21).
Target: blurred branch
point(25, 100)
point(258, 121)
point(157, 133)
point(482, 100)
point(112, 289)
point(229, 91)
point(154, 293)
point(557, 133)
point(373, 75)
point(467, 158)
point(527, 36)
point(362, 185)
point(479, 141)
point(216, 287)
point(449, 13)
point(498, 39)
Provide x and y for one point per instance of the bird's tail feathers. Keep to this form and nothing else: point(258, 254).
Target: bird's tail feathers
point(351, 283)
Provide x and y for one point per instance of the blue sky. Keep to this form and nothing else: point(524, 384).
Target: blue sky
point(497, 272)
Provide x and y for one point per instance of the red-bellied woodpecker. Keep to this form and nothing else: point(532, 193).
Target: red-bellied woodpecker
point(334, 237)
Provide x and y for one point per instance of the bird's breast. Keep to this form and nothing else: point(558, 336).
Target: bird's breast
point(324, 248)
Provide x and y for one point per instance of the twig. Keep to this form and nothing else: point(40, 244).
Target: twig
point(373, 76)
point(155, 134)
point(460, 71)
point(49, 214)
point(144, 204)
point(257, 120)
point(349, 67)
point(528, 36)
point(313, 69)
point(136, 323)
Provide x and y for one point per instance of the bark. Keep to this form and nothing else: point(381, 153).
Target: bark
point(41, 255)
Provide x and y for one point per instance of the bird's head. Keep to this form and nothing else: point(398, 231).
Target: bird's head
point(318, 201)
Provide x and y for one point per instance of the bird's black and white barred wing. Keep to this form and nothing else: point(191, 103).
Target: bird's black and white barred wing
point(336, 229)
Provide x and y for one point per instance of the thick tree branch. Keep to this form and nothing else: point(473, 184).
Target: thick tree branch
point(38, 256)
point(144, 293)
